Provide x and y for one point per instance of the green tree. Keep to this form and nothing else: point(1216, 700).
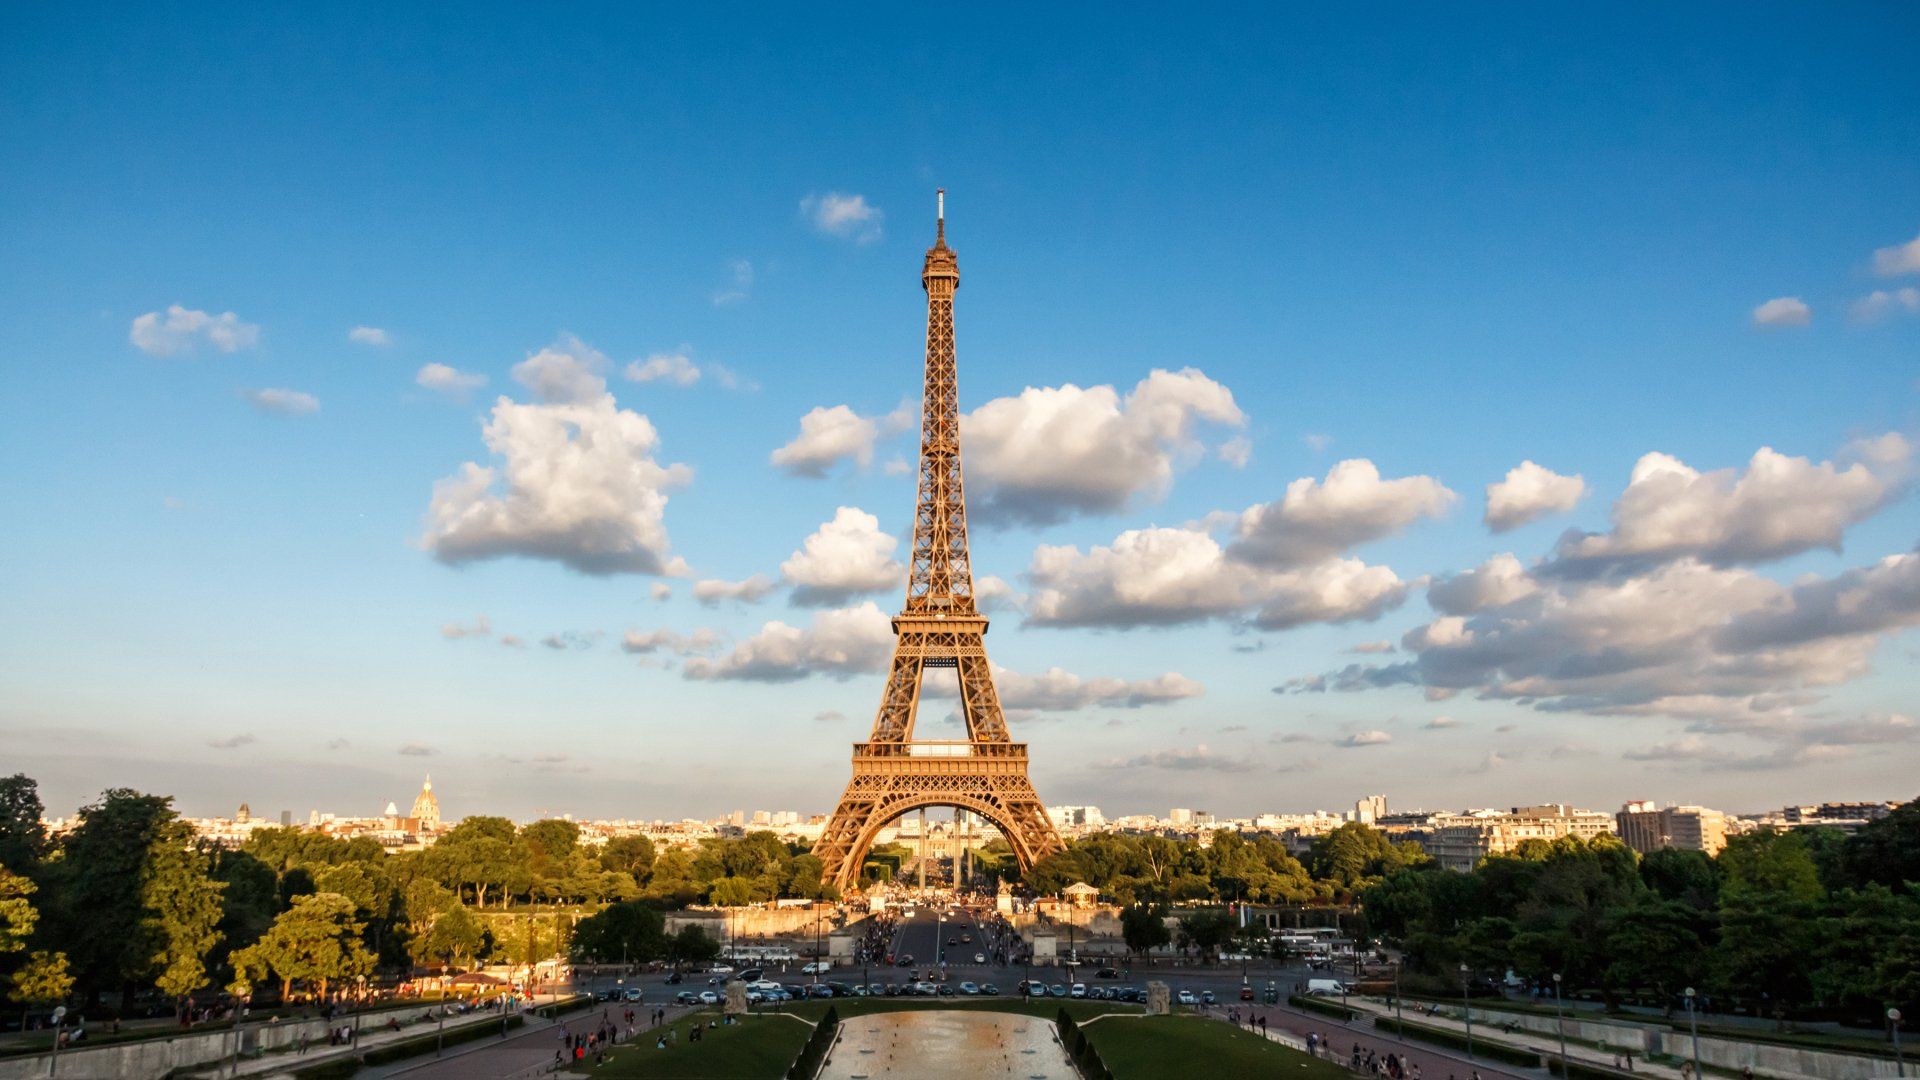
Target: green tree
point(98, 915)
point(1206, 931)
point(1356, 855)
point(692, 945)
point(456, 936)
point(23, 839)
point(316, 941)
point(1144, 929)
point(181, 899)
point(1689, 877)
point(1885, 852)
point(42, 981)
point(17, 916)
point(628, 855)
point(1655, 944)
point(1770, 864)
point(631, 931)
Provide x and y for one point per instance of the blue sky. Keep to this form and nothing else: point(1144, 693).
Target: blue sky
point(1441, 243)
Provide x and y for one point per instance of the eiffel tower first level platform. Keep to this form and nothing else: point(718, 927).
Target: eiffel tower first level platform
point(940, 627)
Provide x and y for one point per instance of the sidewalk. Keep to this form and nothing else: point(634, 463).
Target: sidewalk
point(1546, 1045)
point(285, 1062)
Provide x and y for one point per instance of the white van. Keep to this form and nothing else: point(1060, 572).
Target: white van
point(1333, 987)
point(817, 967)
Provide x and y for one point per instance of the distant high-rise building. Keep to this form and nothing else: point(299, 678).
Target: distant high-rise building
point(1180, 815)
point(286, 819)
point(1460, 841)
point(426, 808)
point(1370, 809)
point(242, 815)
point(1645, 827)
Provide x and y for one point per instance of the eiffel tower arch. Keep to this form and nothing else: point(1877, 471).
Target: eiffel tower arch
point(939, 627)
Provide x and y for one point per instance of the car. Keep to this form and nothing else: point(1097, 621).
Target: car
point(720, 969)
point(686, 997)
point(821, 991)
point(969, 988)
point(708, 997)
point(1079, 990)
point(989, 990)
point(966, 939)
point(607, 995)
point(1185, 997)
point(953, 941)
point(817, 967)
point(634, 993)
point(945, 990)
point(1246, 993)
point(1206, 997)
point(906, 960)
point(1106, 973)
point(979, 958)
point(1056, 990)
point(752, 974)
point(675, 979)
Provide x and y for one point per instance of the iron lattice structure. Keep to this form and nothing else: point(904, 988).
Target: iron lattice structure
point(940, 626)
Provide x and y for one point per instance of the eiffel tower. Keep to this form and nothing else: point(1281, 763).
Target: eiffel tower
point(940, 627)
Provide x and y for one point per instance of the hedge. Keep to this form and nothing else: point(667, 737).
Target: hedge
point(1457, 1041)
point(1080, 1048)
point(577, 1001)
point(1580, 1070)
point(1322, 1005)
point(812, 1055)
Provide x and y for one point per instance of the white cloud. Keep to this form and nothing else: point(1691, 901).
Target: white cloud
point(417, 749)
point(179, 329)
point(450, 381)
point(1059, 690)
point(1500, 580)
point(581, 484)
point(1898, 259)
point(638, 642)
point(567, 372)
point(1880, 303)
point(1164, 577)
point(1237, 451)
point(1316, 442)
point(1529, 492)
point(571, 639)
point(660, 591)
point(1198, 759)
point(513, 641)
point(841, 642)
point(848, 217)
point(1371, 647)
point(829, 436)
point(993, 594)
point(751, 590)
point(1441, 723)
point(1315, 521)
point(370, 335)
point(1052, 452)
point(674, 368)
point(1779, 506)
point(232, 742)
point(739, 287)
point(283, 401)
point(846, 557)
point(479, 628)
point(1782, 311)
point(1367, 738)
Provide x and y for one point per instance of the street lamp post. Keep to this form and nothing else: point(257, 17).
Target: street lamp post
point(1560, 1022)
point(1693, 1022)
point(1466, 1010)
point(1399, 1017)
point(59, 1021)
point(1900, 1059)
point(440, 1024)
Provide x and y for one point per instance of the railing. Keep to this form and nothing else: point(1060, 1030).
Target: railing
point(945, 749)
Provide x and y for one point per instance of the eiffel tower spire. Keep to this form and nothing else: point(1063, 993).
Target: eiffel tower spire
point(939, 626)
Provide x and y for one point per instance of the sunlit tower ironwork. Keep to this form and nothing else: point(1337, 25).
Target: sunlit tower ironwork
point(939, 627)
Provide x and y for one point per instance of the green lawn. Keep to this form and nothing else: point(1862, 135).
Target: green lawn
point(1148, 1047)
point(761, 1046)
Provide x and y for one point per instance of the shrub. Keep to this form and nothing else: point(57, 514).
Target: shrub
point(1458, 1041)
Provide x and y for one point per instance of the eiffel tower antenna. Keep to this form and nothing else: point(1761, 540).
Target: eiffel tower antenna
point(939, 627)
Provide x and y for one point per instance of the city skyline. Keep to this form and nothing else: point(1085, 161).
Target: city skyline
point(1339, 418)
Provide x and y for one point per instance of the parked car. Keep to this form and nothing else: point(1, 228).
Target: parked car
point(1079, 990)
point(1056, 990)
point(686, 997)
point(969, 988)
point(990, 990)
point(1206, 997)
point(1185, 997)
point(634, 993)
point(708, 997)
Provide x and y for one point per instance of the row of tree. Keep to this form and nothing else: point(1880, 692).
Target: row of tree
point(129, 901)
point(1158, 871)
point(1779, 923)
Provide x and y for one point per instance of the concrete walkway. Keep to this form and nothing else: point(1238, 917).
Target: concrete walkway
point(1545, 1044)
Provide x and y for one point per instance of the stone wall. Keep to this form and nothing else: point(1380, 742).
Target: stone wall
point(152, 1059)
